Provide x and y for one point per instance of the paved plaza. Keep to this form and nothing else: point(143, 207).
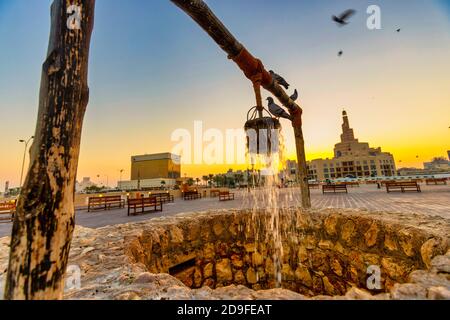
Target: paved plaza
point(434, 200)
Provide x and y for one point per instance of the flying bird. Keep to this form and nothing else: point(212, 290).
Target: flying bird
point(340, 53)
point(342, 19)
point(398, 30)
point(276, 110)
point(279, 79)
point(294, 97)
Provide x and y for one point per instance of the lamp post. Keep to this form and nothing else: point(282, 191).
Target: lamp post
point(107, 180)
point(120, 180)
point(26, 142)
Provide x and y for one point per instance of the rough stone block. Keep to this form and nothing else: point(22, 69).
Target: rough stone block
point(223, 271)
point(408, 291)
point(439, 293)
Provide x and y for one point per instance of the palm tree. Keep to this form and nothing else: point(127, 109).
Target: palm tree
point(197, 180)
point(211, 178)
point(217, 180)
point(239, 179)
point(206, 179)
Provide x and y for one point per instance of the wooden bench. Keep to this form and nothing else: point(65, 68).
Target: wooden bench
point(436, 182)
point(191, 195)
point(7, 210)
point(214, 193)
point(105, 203)
point(334, 188)
point(403, 186)
point(352, 184)
point(226, 196)
point(164, 197)
point(144, 205)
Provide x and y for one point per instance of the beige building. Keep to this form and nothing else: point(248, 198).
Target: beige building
point(153, 171)
point(352, 159)
point(437, 164)
point(155, 166)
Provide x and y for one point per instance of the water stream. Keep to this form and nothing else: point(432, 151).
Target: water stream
point(267, 177)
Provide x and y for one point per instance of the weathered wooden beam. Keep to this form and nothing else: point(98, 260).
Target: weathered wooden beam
point(45, 217)
point(199, 11)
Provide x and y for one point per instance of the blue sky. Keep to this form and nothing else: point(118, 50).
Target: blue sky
point(153, 70)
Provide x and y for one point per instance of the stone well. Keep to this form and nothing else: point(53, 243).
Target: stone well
point(324, 252)
point(228, 255)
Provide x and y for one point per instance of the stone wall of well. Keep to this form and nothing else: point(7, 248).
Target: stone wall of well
point(323, 252)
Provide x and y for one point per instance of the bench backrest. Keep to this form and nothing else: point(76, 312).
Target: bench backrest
point(162, 195)
point(402, 184)
point(335, 186)
point(105, 199)
point(113, 198)
point(96, 200)
point(7, 206)
point(149, 200)
point(133, 202)
point(142, 201)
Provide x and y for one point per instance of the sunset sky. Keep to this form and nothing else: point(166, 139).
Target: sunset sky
point(153, 70)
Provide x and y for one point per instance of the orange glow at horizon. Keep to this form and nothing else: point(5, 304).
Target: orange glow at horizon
point(394, 86)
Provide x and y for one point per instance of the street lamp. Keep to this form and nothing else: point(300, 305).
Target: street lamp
point(107, 180)
point(120, 180)
point(26, 142)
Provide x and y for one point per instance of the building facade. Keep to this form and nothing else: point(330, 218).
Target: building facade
point(437, 164)
point(147, 184)
point(153, 171)
point(84, 184)
point(155, 166)
point(352, 159)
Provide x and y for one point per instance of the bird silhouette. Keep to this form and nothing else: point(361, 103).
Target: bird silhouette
point(340, 53)
point(398, 30)
point(294, 97)
point(279, 79)
point(342, 19)
point(276, 110)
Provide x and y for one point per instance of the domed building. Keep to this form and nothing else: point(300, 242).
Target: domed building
point(352, 159)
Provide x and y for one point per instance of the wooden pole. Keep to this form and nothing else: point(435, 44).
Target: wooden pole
point(44, 221)
point(252, 68)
